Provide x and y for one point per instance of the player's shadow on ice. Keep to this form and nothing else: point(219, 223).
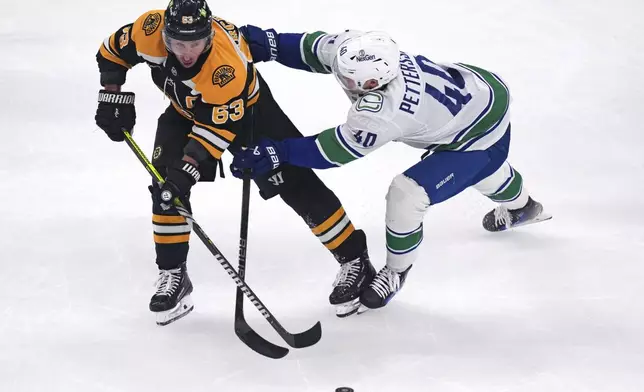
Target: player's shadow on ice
point(515, 240)
point(408, 331)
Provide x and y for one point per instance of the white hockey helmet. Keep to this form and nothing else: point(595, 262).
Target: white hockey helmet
point(369, 56)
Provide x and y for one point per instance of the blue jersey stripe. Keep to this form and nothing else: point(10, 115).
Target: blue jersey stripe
point(481, 115)
point(345, 144)
point(405, 251)
point(506, 181)
point(405, 234)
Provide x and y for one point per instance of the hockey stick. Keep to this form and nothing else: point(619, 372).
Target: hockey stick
point(299, 340)
point(243, 331)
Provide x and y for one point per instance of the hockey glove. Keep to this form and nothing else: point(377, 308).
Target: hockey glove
point(262, 43)
point(115, 113)
point(262, 158)
point(180, 179)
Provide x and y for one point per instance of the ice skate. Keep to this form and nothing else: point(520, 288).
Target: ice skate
point(501, 218)
point(172, 299)
point(354, 276)
point(382, 288)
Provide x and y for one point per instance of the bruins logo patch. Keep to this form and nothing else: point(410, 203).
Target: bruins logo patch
point(157, 153)
point(223, 75)
point(151, 23)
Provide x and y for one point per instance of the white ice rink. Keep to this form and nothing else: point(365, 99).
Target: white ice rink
point(554, 307)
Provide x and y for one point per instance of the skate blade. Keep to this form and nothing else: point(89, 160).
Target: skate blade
point(362, 309)
point(184, 307)
point(348, 308)
point(544, 216)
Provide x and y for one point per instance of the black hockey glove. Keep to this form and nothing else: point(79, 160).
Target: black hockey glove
point(115, 113)
point(180, 179)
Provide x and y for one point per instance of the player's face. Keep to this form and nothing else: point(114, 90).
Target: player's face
point(187, 51)
point(347, 83)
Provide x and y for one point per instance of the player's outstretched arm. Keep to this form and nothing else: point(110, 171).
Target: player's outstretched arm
point(311, 52)
point(333, 147)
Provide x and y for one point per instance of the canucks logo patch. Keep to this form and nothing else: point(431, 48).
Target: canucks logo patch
point(223, 75)
point(370, 102)
point(151, 23)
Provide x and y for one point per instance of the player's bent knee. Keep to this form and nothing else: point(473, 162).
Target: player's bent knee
point(406, 199)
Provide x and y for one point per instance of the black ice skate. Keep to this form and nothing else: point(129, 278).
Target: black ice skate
point(354, 276)
point(382, 288)
point(501, 218)
point(172, 299)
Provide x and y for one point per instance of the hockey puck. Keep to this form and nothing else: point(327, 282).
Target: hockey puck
point(344, 389)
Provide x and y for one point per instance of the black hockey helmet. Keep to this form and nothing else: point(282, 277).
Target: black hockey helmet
point(188, 20)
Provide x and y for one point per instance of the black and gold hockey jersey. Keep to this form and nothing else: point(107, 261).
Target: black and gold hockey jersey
point(215, 93)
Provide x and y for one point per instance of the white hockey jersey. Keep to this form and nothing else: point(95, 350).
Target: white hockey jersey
point(433, 106)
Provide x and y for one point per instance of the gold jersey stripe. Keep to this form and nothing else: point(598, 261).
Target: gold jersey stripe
point(253, 100)
point(181, 110)
point(226, 135)
point(341, 238)
point(211, 149)
point(168, 219)
point(171, 239)
point(253, 83)
point(330, 222)
point(109, 56)
point(112, 46)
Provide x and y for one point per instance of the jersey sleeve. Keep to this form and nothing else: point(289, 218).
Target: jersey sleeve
point(312, 52)
point(118, 52)
point(116, 56)
point(367, 128)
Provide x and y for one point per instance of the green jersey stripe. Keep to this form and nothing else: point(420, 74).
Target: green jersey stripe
point(332, 149)
point(511, 191)
point(500, 105)
point(397, 244)
point(308, 54)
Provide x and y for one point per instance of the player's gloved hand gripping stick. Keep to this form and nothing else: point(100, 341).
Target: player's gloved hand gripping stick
point(247, 335)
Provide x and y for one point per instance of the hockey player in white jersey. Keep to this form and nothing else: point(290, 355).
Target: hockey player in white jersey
point(458, 113)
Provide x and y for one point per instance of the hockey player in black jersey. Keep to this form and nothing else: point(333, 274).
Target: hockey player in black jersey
point(204, 66)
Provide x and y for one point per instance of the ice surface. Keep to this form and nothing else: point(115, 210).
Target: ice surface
point(551, 307)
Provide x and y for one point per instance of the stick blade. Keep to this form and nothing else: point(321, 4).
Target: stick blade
point(257, 343)
point(306, 338)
